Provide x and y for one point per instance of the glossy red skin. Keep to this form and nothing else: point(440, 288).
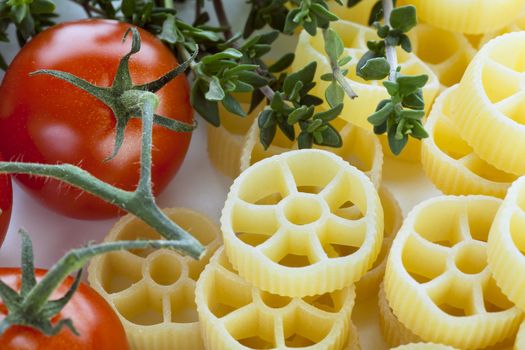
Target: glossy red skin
point(46, 120)
point(6, 203)
point(94, 319)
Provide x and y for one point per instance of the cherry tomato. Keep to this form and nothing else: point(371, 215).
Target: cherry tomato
point(96, 322)
point(6, 200)
point(46, 120)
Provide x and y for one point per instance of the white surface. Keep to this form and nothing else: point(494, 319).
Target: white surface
point(197, 186)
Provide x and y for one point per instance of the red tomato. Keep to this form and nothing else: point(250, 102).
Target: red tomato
point(93, 318)
point(6, 200)
point(46, 120)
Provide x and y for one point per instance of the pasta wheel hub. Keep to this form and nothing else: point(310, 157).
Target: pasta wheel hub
point(303, 209)
point(307, 210)
point(437, 281)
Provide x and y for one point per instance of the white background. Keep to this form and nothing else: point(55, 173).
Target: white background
point(197, 186)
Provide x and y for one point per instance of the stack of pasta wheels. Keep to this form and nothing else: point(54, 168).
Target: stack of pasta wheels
point(299, 229)
point(477, 128)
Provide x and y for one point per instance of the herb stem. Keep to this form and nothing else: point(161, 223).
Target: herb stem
point(390, 50)
point(223, 19)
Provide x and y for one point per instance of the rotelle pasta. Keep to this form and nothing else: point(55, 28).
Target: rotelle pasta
point(424, 346)
point(302, 223)
point(368, 285)
point(152, 291)
point(225, 143)
point(507, 244)
point(446, 53)
point(467, 16)
point(450, 162)
point(490, 103)
point(437, 281)
point(361, 148)
point(359, 13)
point(370, 93)
point(236, 315)
point(393, 331)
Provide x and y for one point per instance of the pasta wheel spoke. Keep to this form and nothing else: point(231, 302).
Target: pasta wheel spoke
point(269, 321)
point(334, 213)
point(444, 240)
point(155, 289)
point(254, 224)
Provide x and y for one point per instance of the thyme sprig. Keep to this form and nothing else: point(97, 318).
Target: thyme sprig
point(230, 63)
point(400, 116)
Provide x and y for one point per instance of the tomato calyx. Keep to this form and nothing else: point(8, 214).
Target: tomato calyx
point(32, 307)
point(123, 97)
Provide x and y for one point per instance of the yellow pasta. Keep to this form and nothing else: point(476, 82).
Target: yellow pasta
point(424, 346)
point(152, 291)
point(394, 332)
point(236, 315)
point(359, 13)
point(490, 112)
point(450, 162)
point(370, 93)
point(361, 148)
point(467, 16)
point(302, 223)
point(225, 142)
point(446, 53)
point(520, 338)
point(367, 286)
point(516, 26)
point(437, 281)
point(507, 244)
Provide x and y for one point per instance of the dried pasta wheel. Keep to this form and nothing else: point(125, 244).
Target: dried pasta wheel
point(361, 148)
point(367, 286)
point(520, 338)
point(394, 332)
point(450, 162)
point(225, 142)
point(153, 291)
point(236, 315)
point(490, 116)
point(467, 16)
point(437, 281)
point(507, 244)
point(424, 346)
point(371, 92)
point(359, 13)
point(446, 53)
point(302, 223)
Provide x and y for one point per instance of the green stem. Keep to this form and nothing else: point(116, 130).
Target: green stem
point(38, 297)
point(338, 75)
point(391, 55)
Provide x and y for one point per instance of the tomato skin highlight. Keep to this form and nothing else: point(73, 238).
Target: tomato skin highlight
point(6, 204)
point(94, 319)
point(46, 120)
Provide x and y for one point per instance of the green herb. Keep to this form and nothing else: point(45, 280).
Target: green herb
point(229, 63)
point(400, 117)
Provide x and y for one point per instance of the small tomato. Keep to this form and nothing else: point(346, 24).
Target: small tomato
point(96, 322)
point(47, 120)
